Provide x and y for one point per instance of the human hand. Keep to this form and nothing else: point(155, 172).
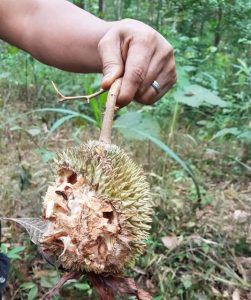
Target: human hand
point(139, 53)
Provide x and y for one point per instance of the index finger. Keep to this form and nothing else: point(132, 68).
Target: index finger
point(136, 65)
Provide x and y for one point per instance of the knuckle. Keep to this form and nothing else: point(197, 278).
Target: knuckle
point(137, 74)
point(125, 97)
point(145, 99)
point(168, 54)
point(170, 50)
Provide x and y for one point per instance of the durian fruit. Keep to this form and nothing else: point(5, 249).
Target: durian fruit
point(98, 208)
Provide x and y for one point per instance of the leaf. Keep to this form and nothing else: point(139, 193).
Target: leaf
point(246, 136)
point(33, 293)
point(33, 131)
point(236, 295)
point(196, 95)
point(60, 122)
point(225, 131)
point(170, 242)
point(67, 112)
point(27, 285)
point(187, 281)
point(56, 110)
point(34, 226)
point(82, 286)
point(49, 281)
point(16, 127)
point(13, 252)
point(131, 120)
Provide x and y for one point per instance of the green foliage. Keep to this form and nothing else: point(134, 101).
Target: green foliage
point(31, 289)
point(13, 253)
point(203, 124)
point(195, 96)
point(131, 123)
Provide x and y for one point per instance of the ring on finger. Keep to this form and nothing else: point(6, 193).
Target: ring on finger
point(156, 86)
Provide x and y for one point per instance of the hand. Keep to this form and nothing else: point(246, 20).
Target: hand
point(139, 53)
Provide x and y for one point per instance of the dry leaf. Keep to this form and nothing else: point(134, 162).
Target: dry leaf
point(170, 242)
point(236, 295)
point(34, 226)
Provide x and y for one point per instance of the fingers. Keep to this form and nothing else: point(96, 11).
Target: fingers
point(141, 55)
point(161, 69)
point(138, 59)
point(111, 57)
point(166, 80)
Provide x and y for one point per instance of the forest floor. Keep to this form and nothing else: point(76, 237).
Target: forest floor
point(197, 250)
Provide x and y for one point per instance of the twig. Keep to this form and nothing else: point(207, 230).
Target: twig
point(106, 129)
point(61, 282)
point(86, 97)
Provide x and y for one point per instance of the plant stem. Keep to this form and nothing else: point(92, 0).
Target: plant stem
point(106, 128)
point(86, 97)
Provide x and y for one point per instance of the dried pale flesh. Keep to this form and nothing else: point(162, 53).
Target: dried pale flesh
point(99, 209)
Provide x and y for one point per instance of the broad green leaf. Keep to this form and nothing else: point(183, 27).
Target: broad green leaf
point(16, 127)
point(246, 136)
point(225, 131)
point(82, 286)
point(27, 285)
point(33, 293)
point(15, 250)
point(183, 76)
point(49, 281)
point(4, 248)
point(196, 95)
point(128, 122)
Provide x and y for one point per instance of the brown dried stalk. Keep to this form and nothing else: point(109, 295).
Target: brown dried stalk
point(86, 97)
point(106, 129)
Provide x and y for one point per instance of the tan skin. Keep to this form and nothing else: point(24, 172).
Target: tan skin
point(62, 35)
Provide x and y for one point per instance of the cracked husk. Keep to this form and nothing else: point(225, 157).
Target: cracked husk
point(99, 209)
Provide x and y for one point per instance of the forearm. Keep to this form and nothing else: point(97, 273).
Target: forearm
point(55, 32)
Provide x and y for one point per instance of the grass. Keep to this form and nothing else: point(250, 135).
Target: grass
point(207, 256)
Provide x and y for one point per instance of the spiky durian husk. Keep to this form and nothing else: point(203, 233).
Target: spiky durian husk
point(99, 209)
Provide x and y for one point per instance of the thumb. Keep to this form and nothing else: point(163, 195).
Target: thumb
point(110, 54)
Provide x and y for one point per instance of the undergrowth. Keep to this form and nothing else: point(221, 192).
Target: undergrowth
point(197, 250)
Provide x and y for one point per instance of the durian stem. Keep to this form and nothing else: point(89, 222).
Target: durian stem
point(106, 129)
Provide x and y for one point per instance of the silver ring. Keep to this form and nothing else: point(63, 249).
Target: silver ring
point(156, 86)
